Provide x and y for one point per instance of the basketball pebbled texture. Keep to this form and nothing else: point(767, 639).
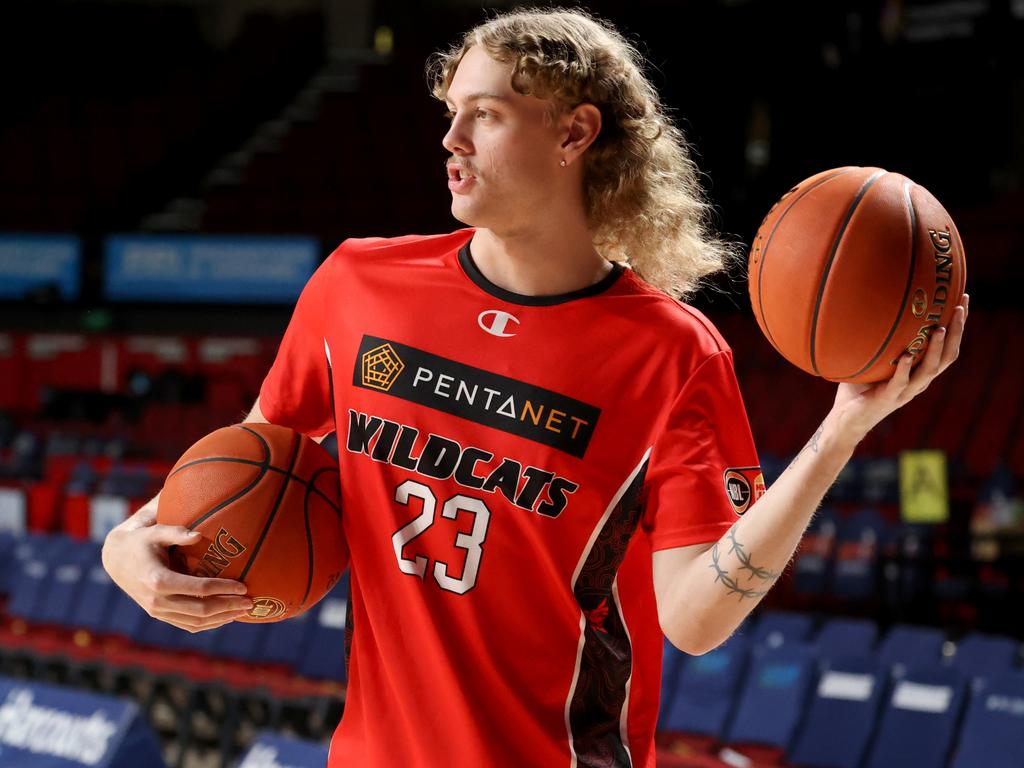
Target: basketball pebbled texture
point(266, 500)
point(852, 268)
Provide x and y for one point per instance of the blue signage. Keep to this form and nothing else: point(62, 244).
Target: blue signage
point(46, 726)
point(29, 262)
point(273, 751)
point(208, 268)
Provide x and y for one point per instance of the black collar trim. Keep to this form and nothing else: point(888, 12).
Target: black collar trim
point(474, 273)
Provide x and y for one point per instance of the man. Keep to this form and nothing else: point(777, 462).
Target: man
point(544, 458)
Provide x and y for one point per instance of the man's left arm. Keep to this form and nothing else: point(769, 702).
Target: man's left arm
point(705, 591)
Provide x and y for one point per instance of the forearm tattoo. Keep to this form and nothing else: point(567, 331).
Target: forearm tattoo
point(757, 575)
point(812, 443)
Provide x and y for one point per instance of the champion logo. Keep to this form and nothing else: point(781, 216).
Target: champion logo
point(494, 321)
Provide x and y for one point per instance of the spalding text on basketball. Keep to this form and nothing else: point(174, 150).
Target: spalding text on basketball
point(221, 552)
point(942, 243)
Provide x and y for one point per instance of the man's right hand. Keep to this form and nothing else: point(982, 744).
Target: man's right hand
point(135, 556)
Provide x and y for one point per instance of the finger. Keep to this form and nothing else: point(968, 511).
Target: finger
point(192, 624)
point(146, 516)
point(202, 607)
point(173, 534)
point(951, 349)
point(164, 581)
point(929, 367)
point(143, 518)
point(898, 381)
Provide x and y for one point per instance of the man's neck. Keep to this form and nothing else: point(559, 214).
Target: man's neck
point(538, 263)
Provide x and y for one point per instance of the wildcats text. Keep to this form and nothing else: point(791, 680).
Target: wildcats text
point(529, 488)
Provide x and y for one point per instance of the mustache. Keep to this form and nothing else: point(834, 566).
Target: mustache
point(461, 163)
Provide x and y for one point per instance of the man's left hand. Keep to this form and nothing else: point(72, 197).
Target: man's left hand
point(859, 407)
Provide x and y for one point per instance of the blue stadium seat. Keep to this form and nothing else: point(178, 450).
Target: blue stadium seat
point(772, 701)
point(706, 692)
point(241, 640)
point(907, 645)
point(60, 596)
point(992, 735)
point(861, 540)
point(813, 564)
point(83, 478)
point(95, 600)
point(35, 560)
point(778, 628)
point(672, 662)
point(989, 656)
point(285, 641)
point(920, 718)
point(160, 634)
point(845, 637)
point(129, 481)
point(7, 541)
point(841, 715)
point(125, 616)
point(325, 654)
point(28, 585)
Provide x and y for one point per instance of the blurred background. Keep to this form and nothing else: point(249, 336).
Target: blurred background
point(172, 171)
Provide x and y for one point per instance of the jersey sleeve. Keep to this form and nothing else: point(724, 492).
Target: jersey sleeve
point(703, 471)
point(296, 392)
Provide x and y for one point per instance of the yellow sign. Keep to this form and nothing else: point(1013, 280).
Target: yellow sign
point(924, 487)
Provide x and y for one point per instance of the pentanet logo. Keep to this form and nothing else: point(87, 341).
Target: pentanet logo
point(471, 393)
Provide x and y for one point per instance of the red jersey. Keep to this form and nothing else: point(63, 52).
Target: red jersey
point(508, 465)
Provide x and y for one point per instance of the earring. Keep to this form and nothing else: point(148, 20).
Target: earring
point(562, 163)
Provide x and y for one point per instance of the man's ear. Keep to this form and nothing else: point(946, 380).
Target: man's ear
point(583, 124)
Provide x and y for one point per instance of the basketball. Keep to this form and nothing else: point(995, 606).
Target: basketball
point(852, 268)
point(266, 500)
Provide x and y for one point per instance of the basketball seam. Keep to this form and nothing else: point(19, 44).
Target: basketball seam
point(264, 466)
point(309, 535)
point(273, 512)
point(906, 289)
point(269, 468)
point(768, 242)
point(831, 258)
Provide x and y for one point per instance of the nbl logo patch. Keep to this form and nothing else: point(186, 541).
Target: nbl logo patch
point(743, 486)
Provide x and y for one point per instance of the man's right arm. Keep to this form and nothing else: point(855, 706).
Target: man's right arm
point(135, 556)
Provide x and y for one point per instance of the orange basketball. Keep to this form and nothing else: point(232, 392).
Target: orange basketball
point(852, 268)
point(266, 500)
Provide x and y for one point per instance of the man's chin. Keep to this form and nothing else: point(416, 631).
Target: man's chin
point(469, 215)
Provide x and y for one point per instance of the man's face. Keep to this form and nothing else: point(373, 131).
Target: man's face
point(508, 153)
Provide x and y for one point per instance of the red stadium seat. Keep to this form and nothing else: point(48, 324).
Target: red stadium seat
point(12, 383)
point(43, 506)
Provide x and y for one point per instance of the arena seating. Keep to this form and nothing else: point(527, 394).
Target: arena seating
point(66, 622)
point(828, 697)
point(920, 718)
point(991, 733)
point(772, 699)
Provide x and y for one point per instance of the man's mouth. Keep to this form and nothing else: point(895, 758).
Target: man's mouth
point(457, 173)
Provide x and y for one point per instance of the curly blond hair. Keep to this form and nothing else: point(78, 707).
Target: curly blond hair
point(644, 203)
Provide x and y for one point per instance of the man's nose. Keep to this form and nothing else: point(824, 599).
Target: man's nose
point(455, 140)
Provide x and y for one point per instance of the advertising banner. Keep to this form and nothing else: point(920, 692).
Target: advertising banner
point(31, 262)
point(47, 726)
point(208, 268)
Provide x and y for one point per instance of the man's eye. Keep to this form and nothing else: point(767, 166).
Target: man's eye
point(478, 113)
